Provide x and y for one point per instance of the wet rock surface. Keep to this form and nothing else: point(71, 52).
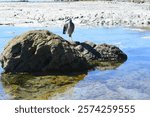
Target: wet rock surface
point(43, 51)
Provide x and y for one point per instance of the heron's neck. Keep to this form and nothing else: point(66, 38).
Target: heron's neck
point(70, 21)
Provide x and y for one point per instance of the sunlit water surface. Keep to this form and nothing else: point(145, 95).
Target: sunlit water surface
point(129, 81)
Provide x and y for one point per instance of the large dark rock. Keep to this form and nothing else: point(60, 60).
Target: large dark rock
point(43, 51)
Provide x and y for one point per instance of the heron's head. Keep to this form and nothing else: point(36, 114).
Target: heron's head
point(69, 20)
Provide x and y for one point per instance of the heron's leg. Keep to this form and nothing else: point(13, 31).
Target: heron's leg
point(71, 39)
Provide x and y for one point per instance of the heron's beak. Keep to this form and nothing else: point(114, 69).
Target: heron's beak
point(68, 20)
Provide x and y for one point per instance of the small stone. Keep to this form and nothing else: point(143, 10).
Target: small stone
point(79, 47)
point(90, 44)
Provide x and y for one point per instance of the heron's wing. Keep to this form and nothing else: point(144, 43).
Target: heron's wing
point(71, 29)
point(65, 28)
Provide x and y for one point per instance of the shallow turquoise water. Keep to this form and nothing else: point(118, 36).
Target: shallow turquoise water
point(129, 81)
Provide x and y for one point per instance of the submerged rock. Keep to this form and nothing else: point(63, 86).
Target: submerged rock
point(27, 86)
point(40, 86)
point(43, 51)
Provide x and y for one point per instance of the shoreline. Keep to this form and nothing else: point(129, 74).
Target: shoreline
point(84, 14)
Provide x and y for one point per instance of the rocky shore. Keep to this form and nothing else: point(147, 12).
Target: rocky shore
point(94, 13)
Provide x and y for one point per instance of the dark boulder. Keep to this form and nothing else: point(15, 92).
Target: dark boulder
point(43, 51)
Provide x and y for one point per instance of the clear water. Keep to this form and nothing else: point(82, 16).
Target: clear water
point(129, 81)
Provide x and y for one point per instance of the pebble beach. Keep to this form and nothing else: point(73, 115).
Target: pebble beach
point(91, 13)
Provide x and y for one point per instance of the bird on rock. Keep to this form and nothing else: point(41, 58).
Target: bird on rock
point(69, 28)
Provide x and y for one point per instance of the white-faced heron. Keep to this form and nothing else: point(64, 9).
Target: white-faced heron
point(69, 28)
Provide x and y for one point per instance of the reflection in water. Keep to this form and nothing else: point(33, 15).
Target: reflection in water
point(3, 94)
point(107, 65)
point(25, 86)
